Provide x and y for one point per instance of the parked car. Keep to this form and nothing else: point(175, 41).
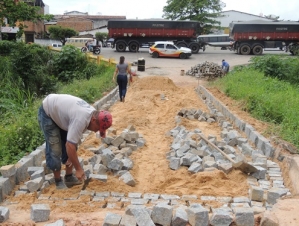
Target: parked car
point(168, 49)
point(106, 44)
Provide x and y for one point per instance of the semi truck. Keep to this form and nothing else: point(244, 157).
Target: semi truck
point(252, 37)
point(135, 34)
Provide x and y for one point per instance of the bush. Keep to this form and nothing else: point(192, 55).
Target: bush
point(69, 64)
point(6, 47)
point(280, 67)
point(32, 63)
point(93, 88)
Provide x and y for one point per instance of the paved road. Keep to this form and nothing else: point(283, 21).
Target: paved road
point(212, 54)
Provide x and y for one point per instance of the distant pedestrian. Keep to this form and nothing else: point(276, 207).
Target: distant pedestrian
point(225, 67)
point(122, 70)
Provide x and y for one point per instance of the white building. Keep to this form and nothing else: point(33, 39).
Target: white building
point(232, 15)
point(46, 9)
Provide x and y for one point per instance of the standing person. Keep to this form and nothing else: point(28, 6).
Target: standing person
point(63, 119)
point(225, 67)
point(121, 70)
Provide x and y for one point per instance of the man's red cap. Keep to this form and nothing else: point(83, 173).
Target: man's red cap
point(105, 119)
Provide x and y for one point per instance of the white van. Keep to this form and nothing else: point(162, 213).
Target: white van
point(222, 40)
point(78, 42)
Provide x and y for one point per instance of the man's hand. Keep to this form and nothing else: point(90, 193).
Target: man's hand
point(80, 174)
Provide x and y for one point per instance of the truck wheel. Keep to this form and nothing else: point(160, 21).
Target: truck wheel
point(155, 54)
point(238, 50)
point(183, 56)
point(194, 47)
point(133, 47)
point(257, 50)
point(121, 46)
point(245, 49)
point(181, 44)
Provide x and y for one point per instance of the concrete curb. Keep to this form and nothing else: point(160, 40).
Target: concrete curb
point(257, 139)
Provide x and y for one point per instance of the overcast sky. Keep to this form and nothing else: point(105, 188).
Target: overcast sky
point(145, 9)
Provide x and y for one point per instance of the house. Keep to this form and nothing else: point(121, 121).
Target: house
point(78, 23)
point(31, 29)
point(34, 30)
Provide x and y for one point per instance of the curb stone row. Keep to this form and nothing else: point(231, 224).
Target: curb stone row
point(252, 135)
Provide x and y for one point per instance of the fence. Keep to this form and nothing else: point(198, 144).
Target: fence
point(96, 59)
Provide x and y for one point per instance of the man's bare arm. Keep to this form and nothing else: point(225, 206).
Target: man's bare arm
point(71, 150)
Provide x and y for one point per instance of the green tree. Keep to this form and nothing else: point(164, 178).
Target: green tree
point(61, 33)
point(203, 11)
point(101, 36)
point(18, 12)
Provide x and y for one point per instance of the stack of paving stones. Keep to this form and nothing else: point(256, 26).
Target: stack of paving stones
point(113, 156)
point(206, 69)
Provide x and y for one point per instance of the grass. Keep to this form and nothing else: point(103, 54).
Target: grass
point(265, 98)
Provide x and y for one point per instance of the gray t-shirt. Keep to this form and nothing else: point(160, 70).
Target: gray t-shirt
point(70, 113)
point(122, 68)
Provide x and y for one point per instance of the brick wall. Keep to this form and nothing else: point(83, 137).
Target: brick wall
point(78, 24)
point(36, 28)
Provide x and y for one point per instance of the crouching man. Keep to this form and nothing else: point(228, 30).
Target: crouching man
point(63, 119)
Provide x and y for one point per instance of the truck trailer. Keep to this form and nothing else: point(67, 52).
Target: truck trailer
point(252, 37)
point(144, 33)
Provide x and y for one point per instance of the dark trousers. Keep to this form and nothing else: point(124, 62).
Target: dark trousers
point(122, 81)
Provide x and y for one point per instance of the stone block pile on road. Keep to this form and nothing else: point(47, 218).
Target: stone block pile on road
point(206, 69)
